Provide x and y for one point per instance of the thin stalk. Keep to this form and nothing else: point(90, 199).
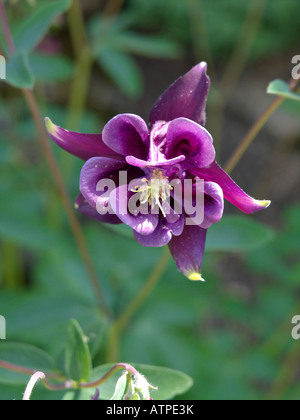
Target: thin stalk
point(109, 374)
point(25, 371)
point(68, 206)
point(121, 323)
point(252, 134)
point(256, 128)
point(31, 384)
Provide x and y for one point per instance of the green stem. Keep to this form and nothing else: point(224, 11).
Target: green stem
point(68, 206)
point(248, 139)
point(117, 328)
point(109, 374)
point(257, 127)
point(25, 371)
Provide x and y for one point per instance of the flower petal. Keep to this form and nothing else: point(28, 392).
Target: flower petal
point(84, 146)
point(184, 98)
point(232, 192)
point(145, 224)
point(83, 207)
point(160, 237)
point(187, 251)
point(213, 204)
point(95, 170)
point(127, 134)
point(176, 227)
point(139, 163)
point(185, 137)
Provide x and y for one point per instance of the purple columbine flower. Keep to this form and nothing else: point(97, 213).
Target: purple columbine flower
point(175, 146)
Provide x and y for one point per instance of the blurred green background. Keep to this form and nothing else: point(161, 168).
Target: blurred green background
point(232, 335)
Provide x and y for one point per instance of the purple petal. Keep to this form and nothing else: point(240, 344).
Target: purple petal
point(95, 170)
point(187, 251)
point(232, 192)
point(184, 98)
point(139, 163)
point(176, 227)
point(163, 233)
point(160, 237)
point(145, 224)
point(213, 204)
point(83, 207)
point(127, 134)
point(84, 146)
point(184, 137)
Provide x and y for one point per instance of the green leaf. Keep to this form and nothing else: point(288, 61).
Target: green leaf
point(281, 88)
point(48, 315)
point(27, 226)
point(168, 381)
point(145, 45)
point(120, 388)
point(78, 363)
point(25, 356)
point(238, 233)
point(123, 71)
point(18, 72)
point(30, 32)
point(50, 68)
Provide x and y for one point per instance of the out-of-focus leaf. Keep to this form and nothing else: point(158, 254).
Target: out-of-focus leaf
point(43, 318)
point(238, 233)
point(168, 381)
point(49, 68)
point(123, 71)
point(19, 73)
point(22, 221)
point(78, 363)
point(281, 88)
point(146, 45)
point(25, 356)
point(31, 31)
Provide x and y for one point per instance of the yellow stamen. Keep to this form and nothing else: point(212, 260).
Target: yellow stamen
point(155, 191)
point(195, 277)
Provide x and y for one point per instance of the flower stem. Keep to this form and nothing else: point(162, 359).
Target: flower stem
point(248, 139)
point(57, 176)
point(68, 206)
point(31, 384)
point(25, 371)
point(257, 127)
point(109, 374)
point(121, 323)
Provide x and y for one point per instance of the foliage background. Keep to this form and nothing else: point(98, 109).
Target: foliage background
point(232, 334)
